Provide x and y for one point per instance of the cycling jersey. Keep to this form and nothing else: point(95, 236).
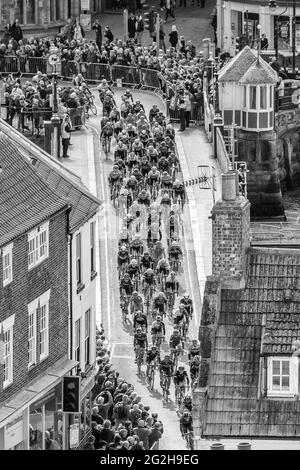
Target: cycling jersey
point(194, 352)
point(127, 286)
point(144, 199)
point(186, 424)
point(166, 201)
point(167, 367)
point(121, 153)
point(107, 130)
point(151, 356)
point(188, 303)
point(187, 403)
point(179, 378)
point(140, 320)
point(114, 176)
point(153, 177)
point(174, 341)
point(149, 279)
point(145, 168)
point(140, 340)
point(175, 252)
point(179, 317)
point(172, 284)
point(123, 257)
point(146, 262)
point(158, 327)
point(133, 270)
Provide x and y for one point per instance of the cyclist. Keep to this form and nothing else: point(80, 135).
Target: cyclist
point(148, 279)
point(126, 285)
point(138, 107)
point(118, 127)
point(146, 261)
point(153, 355)
point(144, 198)
point(144, 138)
point(140, 341)
point(166, 181)
point(132, 132)
point(115, 177)
point(123, 257)
point(128, 95)
point(172, 225)
point(170, 131)
point(107, 131)
point(154, 234)
point(187, 403)
point(175, 252)
point(170, 144)
point(137, 147)
point(152, 154)
point(164, 149)
point(136, 302)
point(140, 321)
point(160, 302)
point(153, 178)
point(188, 304)
point(108, 103)
point(103, 87)
point(176, 342)
point(153, 113)
point(172, 285)
point(181, 380)
point(194, 349)
point(114, 115)
point(166, 367)
point(130, 119)
point(186, 425)
point(173, 164)
point(145, 166)
point(133, 268)
point(132, 160)
point(158, 252)
point(136, 172)
point(78, 80)
point(166, 201)
point(178, 191)
point(136, 247)
point(124, 238)
point(121, 151)
point(163, 164)
point(181, 317)
point(132, 185)
point(194, 367)
point(163, 267)
point(158, 329)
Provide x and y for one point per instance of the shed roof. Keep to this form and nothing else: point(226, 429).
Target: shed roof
point(260, 72)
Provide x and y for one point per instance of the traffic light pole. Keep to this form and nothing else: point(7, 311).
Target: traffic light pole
point(125, 24)
point(157, 28)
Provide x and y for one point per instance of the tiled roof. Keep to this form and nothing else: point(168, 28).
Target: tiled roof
point(260, 72)
point(25, 199)
point(64, 182)
point(234, 70)
point(245, 68)
point(233, 407)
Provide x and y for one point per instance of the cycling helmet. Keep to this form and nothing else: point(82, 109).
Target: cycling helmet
point(186, 413)
point(133, 178)
point(172, 274)
point(123, 248)
point(126, 276)
point(149, 271)
point(154, 169)
point(167, 356)
point(139, 312)
point(181, 306)
point(175, 332)
point(136, 141)
point(194, 342)
point(146, 253)
point(158, 318)
point(139, 330)
point(165, 173)
point(153, 347)
point(135, 293)
point(134, 262)
point(181, 368)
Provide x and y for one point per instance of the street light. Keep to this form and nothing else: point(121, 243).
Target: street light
point(273, 6)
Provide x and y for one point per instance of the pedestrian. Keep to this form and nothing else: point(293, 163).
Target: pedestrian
point(65, 135)
point(162, 44)
point(181, 105)
point(69, 28)
point(98, 29)
point(139, 30)
point(16, 31)
point(79, 33)
point(51, 444)
point(108, 35)
point(173, 36)
point(264, 43)
point(188, 107)
point(169, 10)
point(155, 434)
point(90, 443)
point(131, 26)
point(143, 433)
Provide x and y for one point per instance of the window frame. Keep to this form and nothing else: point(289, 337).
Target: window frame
point(34, 308)
point(35, 238)
point(255, 88)
point(45, 331)
point(87, 338)
point(78, 260)
point(93, 246)
point(293, 376)
point(263, 88)
point(7, 251)
point(8, 328)
point(32, 313)
point(77, 342)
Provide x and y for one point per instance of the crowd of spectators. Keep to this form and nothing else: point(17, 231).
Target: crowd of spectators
point(120, 420)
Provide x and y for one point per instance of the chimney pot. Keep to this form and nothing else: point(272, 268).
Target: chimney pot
point(229, 186)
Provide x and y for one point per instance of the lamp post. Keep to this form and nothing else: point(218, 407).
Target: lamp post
point(273, 6)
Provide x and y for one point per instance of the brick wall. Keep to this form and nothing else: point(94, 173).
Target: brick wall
point(230, 238)
point(26, 287)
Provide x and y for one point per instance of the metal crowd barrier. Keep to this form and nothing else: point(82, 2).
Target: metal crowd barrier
point(149, 78)
point(9, 64)
point(95, 71)
point(69, 68)
point(128, 75)
point(37, 64)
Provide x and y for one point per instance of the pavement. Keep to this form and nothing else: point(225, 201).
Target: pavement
point(192, 22)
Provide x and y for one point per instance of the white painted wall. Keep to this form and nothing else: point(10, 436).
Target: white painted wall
point(231, 96)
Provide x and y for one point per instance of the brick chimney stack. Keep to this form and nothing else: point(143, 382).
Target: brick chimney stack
point(230, 234)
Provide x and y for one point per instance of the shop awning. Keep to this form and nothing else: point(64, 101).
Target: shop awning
point(35, 390)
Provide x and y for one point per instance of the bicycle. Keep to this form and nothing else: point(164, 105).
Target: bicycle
point(139, 354)
point(194, 380)
point(174, 356)
point(124, 307)
point(175, 264)
point(189, 437)
point(115, 192)
point(171, 302)
point(180, 394)
point(90, 106)
point(151, 374)
point(157, 339)
point(165, 385)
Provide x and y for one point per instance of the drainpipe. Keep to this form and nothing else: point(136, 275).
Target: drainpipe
point(70, 243)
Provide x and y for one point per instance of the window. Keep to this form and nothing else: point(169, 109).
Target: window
point(252, 104)
point(7, 328)
point(263, 97)
point(78, 259)
point(283, 376)
point(271, 97)
point(44, 331)
point(77, 340)
point(87, 337)
point(32, 338)
point(93, 251)
point(38, 322)
point(38, 245)
point(7, 265)
point(245, 96)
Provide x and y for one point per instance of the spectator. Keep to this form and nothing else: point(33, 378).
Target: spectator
point(65, 135)
point(131, 26)
point(162, 34)
point(90, 443)
point(182, 108)
point(96, 431)
point(69, 28)
point(143, 433)
point(95, 416)
point(102, 406)
point(16, 31)
point(108, 35)
point(106, 433)
point(137, 444)
point(79, 33)
point(97, 27)
point(264, 43)
point(7, 34)
point(169, 10)
point(188, 107)
point(173, 37)
point(51, 444)
point(139, 29)
point(155, 434)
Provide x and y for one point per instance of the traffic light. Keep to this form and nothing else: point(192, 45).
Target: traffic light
point(237, 45)
point(149, 21)
point(71, 394)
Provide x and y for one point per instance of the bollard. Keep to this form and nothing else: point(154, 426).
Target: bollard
point(244, 446)
point(217, 446)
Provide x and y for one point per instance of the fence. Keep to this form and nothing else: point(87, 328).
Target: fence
point(150, 78)
point(128, 75)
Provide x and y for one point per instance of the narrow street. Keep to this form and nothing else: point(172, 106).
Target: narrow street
point(120, 337)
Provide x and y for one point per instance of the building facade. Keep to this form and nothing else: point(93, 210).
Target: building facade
point(240, 19)
point(43, 15)
point(82, 272)
point(33, 305)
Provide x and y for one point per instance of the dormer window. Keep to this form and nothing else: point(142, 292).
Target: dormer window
point(282, 376)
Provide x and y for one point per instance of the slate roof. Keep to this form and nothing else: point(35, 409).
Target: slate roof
point(61, 180)
point(25, 199)
point(244, 68)
point(233, 408)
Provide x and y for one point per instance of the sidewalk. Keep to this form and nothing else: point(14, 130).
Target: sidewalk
point(192, 22)
point(194, 150)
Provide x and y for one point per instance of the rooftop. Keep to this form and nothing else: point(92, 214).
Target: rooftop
point(25, 199)
point(58, 178)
